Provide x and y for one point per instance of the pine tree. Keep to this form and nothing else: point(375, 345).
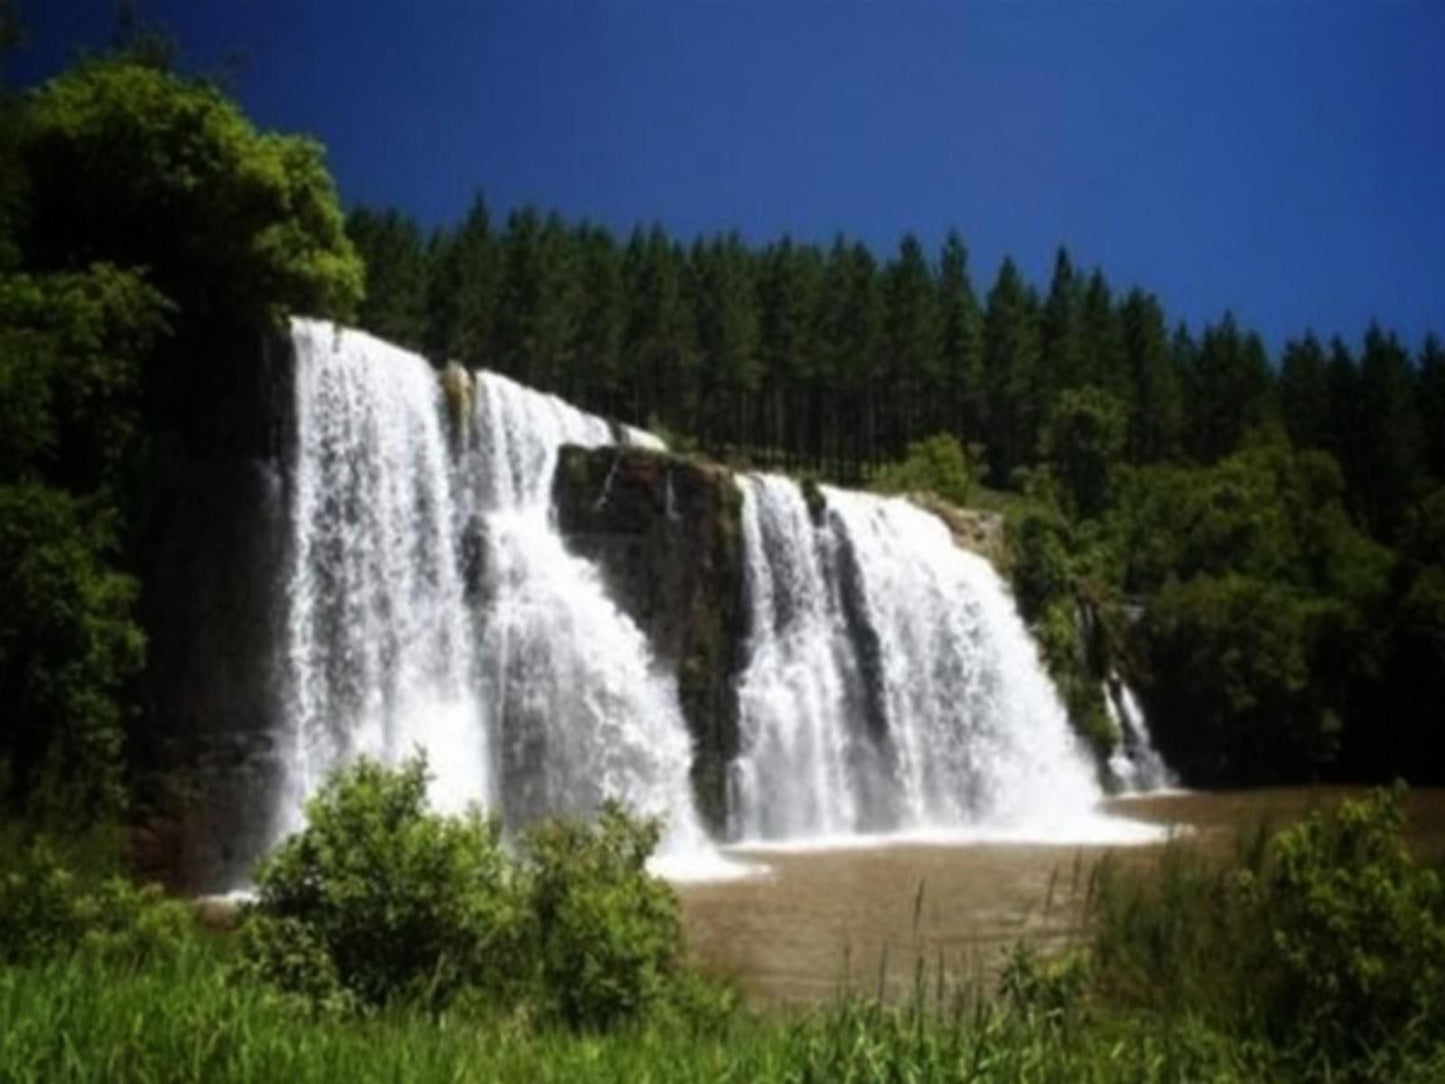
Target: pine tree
point(1304, 393)
point(1431, 383)
point(961, 343)
point(1389, 432)
point(912, 374)
point(391, 247)
point(463, 292)
point(595, 379)
point(658, 355)
point(1062, 361)
point(1155, 412)
point(1011, 359)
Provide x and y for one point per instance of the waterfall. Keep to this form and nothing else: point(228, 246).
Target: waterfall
point(890, 683)
point(432, 603)
point(579, 706)
point(1136, 763)
point(796, 694)
point(380, 644)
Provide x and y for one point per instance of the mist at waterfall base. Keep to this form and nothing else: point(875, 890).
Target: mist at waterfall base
point(431, 604)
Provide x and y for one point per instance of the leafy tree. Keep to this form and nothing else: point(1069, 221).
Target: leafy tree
point(608, 933)
point(1230, 390)
point(659, 337)
point(68, 645)
point(937, 465)
point(1083, 443)
point(595, 377)
point(1103, 363)
point(376, 898)
point(138, 167)
point(1432, 407)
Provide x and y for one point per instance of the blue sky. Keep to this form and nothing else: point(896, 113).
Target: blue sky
point(1284, 159)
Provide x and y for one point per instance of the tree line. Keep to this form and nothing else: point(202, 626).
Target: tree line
point(1261, 539)
point(829, 359)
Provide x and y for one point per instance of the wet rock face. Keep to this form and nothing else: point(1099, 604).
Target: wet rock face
point(667, 535)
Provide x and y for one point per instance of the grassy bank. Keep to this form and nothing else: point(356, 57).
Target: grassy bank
point(1316, 953)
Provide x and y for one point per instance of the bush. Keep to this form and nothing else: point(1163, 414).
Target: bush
point(47, 911)
point(937, 465)
point(378, 898)
point(1359, 932)
point(1326, 939)
point(610, 939)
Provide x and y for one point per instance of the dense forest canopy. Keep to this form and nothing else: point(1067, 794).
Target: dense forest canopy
point(149, 237)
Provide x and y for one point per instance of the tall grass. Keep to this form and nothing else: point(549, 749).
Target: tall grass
point(184, 1020)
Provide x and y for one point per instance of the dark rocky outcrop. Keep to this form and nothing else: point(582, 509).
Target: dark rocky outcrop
point(666, 532)
point(206, 759)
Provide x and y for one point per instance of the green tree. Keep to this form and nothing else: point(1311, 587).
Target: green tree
point(1389, 433)
point(1011, 360)
point(658, 345)
point(1156, 414)
point(462, 289)
point(595, 378)
point(1304, 394)
point(1063, 353)
point(138, 167)
point(1083, 444)
point(912, 376)
point(1230, 390)
point(377, 898)
point(394, 254)
point(961, 342)
point(1431, 383)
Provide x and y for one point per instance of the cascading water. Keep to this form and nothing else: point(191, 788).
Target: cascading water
point(433, 605)
point(580, 708)
point(890, 683)
point(1136, 763)
point(799, 689)
point(380, 650)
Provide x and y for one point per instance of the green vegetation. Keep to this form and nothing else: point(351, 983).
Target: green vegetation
point(149, 238)
point(1317, 954)
point(936, 465)
point(378, 901)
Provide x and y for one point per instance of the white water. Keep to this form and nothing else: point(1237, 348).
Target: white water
point(1136, 763)
point(794, 695)
point(891, 685)
point(433, 606)
point(580, 707)
point(380, 644)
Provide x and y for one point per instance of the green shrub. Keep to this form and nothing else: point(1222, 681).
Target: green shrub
point(47, 910)
point(1358, 932)
point(937, 465)
point(610, 939)
point(385, 899)
point(1326, 939)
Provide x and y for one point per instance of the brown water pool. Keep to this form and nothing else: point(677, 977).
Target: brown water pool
point(818, 919)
